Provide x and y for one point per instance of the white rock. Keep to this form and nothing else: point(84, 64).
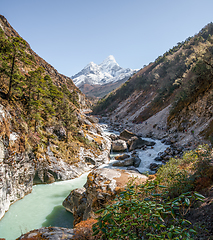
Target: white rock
point(119, 145)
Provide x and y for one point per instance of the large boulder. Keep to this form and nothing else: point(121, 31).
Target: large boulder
point(133, 161)
point(126, 135)
point(137, 142)
point(137, 162)
point(154, 166)
point(101, 187)
point(119, 146)
point(124, 163)
point(122, 157)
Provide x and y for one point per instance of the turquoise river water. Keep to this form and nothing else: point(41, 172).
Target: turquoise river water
point(41, 208)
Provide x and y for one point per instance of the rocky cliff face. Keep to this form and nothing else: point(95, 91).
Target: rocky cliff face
point(16, 180)
point(191, 126)
point(17, 170)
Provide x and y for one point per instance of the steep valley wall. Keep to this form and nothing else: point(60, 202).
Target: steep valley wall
point(193, 123)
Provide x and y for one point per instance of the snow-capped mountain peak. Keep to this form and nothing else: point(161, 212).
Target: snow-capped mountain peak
point(106, 72)
point(110, 58)
point(90, 67)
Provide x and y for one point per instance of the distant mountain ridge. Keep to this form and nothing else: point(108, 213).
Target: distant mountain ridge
point(107, 72)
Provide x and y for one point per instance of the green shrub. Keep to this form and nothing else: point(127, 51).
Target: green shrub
point(181, 174)
point(177, 174)
point(145, 212)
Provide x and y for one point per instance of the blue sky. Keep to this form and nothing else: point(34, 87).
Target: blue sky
point(69, 34)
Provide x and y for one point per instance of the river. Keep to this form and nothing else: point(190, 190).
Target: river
point(43, 207)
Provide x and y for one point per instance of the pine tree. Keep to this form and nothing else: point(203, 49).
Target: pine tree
point(67, 116)
point(36, 93)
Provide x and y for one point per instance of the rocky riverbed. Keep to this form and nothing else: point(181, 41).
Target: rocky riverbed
point(105, 182)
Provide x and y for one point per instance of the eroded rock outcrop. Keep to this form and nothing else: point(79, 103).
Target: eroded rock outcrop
point(132, 161)
point(126, 135)
point(132, 142)
point(16, 180)
point(124, 163)
point(102, 186)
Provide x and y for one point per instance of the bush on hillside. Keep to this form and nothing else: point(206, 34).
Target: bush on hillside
point(145, 212)
point(185, 174)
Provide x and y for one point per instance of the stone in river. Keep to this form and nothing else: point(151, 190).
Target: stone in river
point(122, 157)
point(132, 168)
point(154, 166)
point(124, 163)
point(126, 135)
point(135, 143)
point(119, 145)
point(158, 159)
point(137, 162)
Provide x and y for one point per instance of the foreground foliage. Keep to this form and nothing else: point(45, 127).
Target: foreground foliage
point(157, 209)
point(146, 212)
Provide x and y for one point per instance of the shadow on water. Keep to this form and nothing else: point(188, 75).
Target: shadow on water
point(59, 217)
point(65, 193)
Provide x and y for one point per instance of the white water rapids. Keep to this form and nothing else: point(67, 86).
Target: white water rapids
point(43, 207)
point(147, 156)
